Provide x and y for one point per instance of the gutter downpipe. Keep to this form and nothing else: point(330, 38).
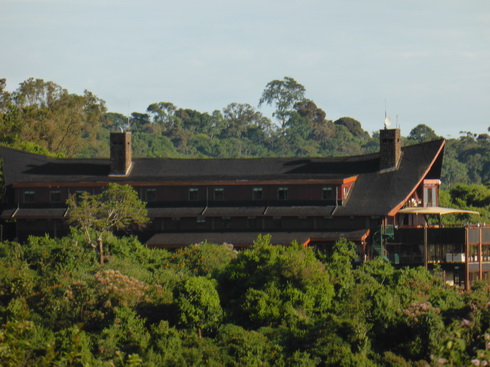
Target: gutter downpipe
point(336, 200)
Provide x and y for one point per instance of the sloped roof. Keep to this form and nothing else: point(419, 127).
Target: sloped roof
point(374, 192)
point(382, 193)
point(22, 167)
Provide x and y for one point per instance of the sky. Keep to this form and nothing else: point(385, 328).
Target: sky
point(423, 62)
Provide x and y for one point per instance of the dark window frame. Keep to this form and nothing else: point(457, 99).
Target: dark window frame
point(29, 196)
point(151, 194)
point(193, 194)
point(55, 196)
point(328, 193)
point(257, 193)
point(282, 193)
point(219, 194)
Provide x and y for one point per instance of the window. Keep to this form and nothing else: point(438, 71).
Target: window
point(282, 193)
point(219, 194)
point(303, 222)
point(327, 193)
point(277, 222)
point(201, 222)
point(252, 222)
point(29, 196)
point(226, 222)
point(257, 193)
point(346, 192)
point(175, 223)
point(193, 194)
point(430, 196)
point(151, 194)
point(55, 196)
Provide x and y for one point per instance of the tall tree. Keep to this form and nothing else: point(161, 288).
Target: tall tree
point(421, 133)
point(48, 115)
point(240, 117)
point(283, 94)
point(116, 208)
point(198, 304)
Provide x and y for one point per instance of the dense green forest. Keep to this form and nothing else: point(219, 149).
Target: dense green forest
point(208, 304)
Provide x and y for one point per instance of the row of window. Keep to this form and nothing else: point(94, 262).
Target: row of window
point(55, 196)
point(257, 193)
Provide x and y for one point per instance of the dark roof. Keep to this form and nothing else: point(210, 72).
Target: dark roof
point(21, 167)
point(33, 213)
point(374, 192)
point(243, 239)
point(240, 211)
point(378, 193)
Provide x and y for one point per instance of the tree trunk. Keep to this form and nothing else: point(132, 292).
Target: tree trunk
point(101, 251)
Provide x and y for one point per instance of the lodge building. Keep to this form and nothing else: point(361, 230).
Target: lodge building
point(379, 201)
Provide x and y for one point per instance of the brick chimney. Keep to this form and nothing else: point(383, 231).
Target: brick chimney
point(389, 148)
point(120, 154)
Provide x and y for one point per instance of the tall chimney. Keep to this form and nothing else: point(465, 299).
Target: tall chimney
point(120, 154)
point(389, 148)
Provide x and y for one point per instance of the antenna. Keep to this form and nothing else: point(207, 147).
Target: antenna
point(128, 125)
point(387, 122)
point(387, 118)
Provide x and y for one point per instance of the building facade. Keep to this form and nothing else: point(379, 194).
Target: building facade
point(314, 201)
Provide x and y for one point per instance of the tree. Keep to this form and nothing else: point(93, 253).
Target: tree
point(115, 208)
point(240, 117)
point(198, 304)
point(284, 94)
point(422, 133)
point(48, 115)
point(353, 126)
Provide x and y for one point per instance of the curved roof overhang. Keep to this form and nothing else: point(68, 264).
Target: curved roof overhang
point(396, 209)
point(435, 210)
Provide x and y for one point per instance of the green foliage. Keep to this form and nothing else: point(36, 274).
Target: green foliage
point(204, 259)
point(116, 208)
point(276, 285)
point(249, 348)
point(279, 307)
point(42, 115)
point(283, 94)
point(198, 304)
point(420, 134)
point(127, 334)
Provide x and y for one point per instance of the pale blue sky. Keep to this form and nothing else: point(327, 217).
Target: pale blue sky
point(430, 59)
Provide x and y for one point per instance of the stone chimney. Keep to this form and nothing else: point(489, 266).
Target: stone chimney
point(120, 154)
point(389, 149)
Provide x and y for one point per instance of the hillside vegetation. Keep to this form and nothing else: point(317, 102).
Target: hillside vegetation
point(207, 305)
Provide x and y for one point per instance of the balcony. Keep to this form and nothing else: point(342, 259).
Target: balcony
point(455, 257)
